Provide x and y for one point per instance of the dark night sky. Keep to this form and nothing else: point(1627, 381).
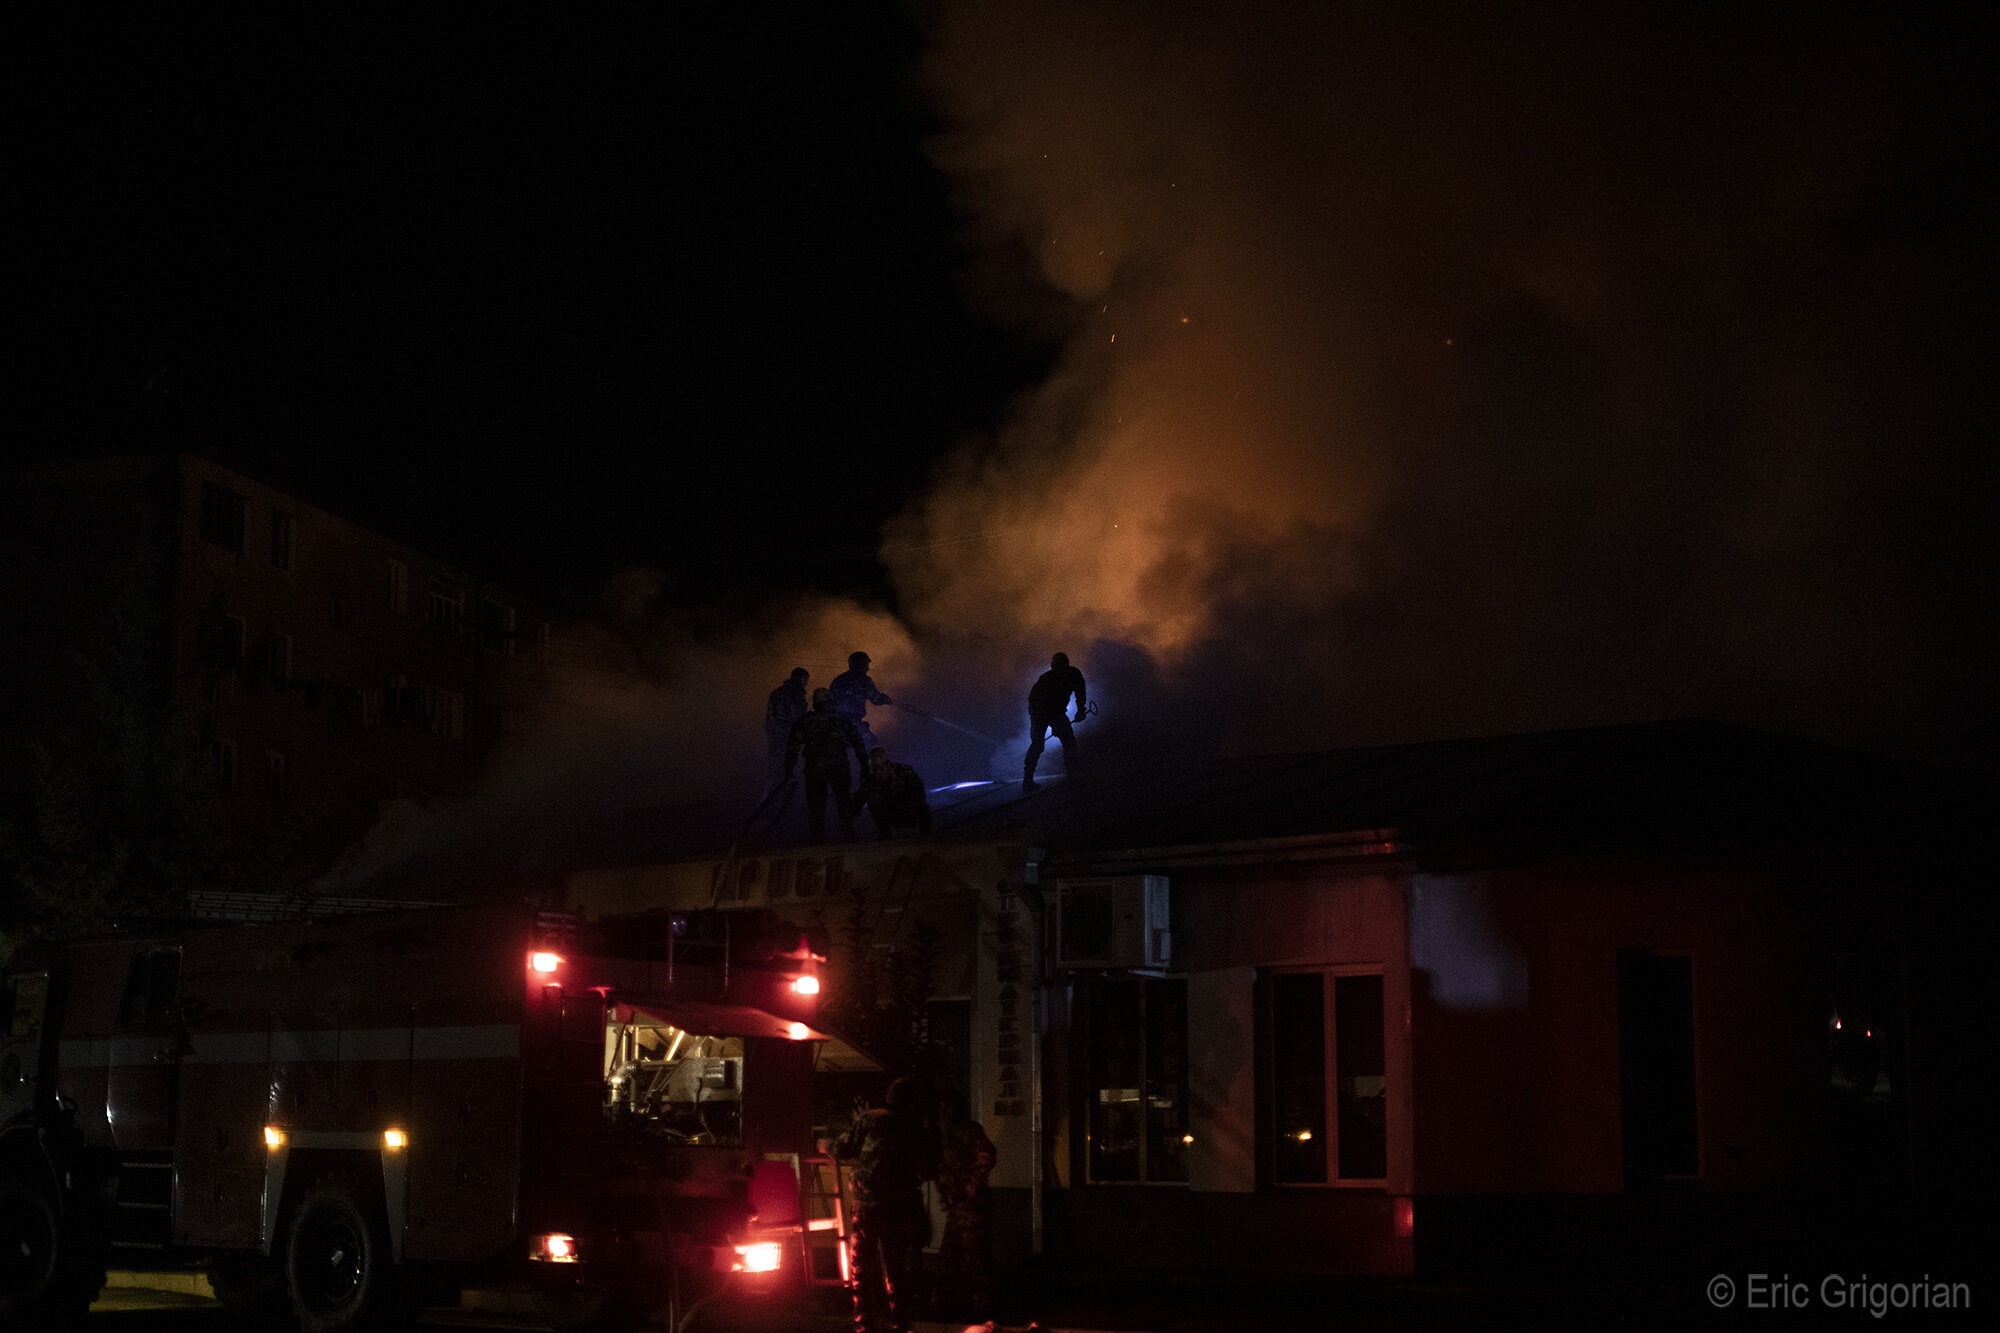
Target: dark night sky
point(678, 291)
point(1379, 375)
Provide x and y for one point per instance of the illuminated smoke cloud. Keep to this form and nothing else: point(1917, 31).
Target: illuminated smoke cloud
point(1424, 373)
point(1432, 373)
point(645, 709)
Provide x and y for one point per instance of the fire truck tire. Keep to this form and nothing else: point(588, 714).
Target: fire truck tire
point(338, 1268)
point(48, 1278)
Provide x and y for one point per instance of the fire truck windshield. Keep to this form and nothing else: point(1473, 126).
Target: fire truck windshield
point(664, 1080)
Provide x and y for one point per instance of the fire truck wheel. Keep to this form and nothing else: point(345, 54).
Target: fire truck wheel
point(337, 1264)
point(46, 1278)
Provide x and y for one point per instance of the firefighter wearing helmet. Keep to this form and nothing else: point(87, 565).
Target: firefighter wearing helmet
point(786, 705)
point(825, 737)
point(1048, 710)
point(853, 691)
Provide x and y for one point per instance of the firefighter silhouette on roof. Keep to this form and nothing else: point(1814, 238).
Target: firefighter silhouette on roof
point(894, 795)
point(853, 691)
point(787, 704)
point(825, 737)
point(1048, 710)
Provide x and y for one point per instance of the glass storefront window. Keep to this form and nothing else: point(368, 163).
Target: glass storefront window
point(1137, 1090)
point(1329, 1072)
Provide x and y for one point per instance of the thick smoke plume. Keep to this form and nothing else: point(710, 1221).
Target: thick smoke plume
point(1424, 373)
point(1433, 373)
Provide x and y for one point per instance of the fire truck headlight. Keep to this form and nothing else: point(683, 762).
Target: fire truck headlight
point(274, 1138)
point(807, 985)
point(760, 1258)
point(544, 963)
point(554, 1248)
point(395, 1138)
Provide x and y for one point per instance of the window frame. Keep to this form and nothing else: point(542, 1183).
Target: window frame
point(137, 1011)
point(277, 783)
point(1088, 1089)
point(444, 712)
point(1267, 1126)
point(445, 609)
point(222, 761)
point(497, 631)
point(223, 517)
point(278, 656)
point(398, 577)
point(283, 532)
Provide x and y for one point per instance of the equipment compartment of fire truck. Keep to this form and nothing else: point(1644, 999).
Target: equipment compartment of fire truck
point(340, 1117)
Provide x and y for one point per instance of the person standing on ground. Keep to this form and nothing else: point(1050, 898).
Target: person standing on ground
point(825, 737)
point(853, 691)
point(893, 1151)
point(1048, 710)
point(965, 1168)
point(787, 704)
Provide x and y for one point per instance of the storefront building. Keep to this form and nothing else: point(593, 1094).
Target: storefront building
point(1334, 1013)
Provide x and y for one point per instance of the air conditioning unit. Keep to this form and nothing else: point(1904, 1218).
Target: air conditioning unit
point(1117, 922)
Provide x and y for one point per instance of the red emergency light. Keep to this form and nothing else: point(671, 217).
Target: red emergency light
point(806, 985)
point(763, 1257)
point(554, 1248)
point(798, 1032)
point(544, 963)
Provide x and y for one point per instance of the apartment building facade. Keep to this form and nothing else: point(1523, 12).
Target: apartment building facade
point(316, 668)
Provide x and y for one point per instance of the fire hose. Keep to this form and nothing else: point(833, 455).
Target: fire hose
point(947, 722)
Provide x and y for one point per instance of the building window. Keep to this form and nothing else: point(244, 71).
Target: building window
point(221, 517)
point(281, 540)
point(401, 701)
point(444, 711)
point(447, 607)
point(219, 641)
point(274, 777)
point(1329, 1095)
point(496, 627)
point(371, 705)
point(222, 764)
point(278, 656)
point(152, 984)
point(1137, 1080)
point(399, 587)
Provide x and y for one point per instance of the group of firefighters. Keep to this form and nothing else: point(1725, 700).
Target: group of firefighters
point(833, 720)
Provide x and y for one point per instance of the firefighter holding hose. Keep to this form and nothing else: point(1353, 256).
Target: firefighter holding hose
point(1048, 710)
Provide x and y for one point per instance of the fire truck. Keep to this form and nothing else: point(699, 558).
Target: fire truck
point(351, 1116)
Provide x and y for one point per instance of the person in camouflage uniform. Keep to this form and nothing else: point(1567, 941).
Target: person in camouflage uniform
point(853, 690)
point(787, 704)
point(965, 1167)
point(825, 737)
point(894, 794)
point(894, 1150)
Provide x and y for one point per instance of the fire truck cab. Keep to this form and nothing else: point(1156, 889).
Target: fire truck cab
point(341, 1115)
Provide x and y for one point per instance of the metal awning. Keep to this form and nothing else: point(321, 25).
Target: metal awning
point(839, 1056)
point(712, 1019)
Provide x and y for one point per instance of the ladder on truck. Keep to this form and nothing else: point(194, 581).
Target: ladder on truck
point(805, 1193)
